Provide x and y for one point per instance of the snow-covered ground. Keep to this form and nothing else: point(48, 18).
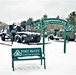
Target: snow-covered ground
point(57, 63)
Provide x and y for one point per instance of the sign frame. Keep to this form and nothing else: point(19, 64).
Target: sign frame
point(44, 22)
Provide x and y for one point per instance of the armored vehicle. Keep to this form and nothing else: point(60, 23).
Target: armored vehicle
point(18, 34)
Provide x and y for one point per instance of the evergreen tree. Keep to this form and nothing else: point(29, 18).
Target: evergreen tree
point(23, 24)
point(72, 18)
point(44, 16)
point(30, 23)
point(57, 17)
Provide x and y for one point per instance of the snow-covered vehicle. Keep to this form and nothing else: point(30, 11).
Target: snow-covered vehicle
point(27, 37)
point(70, 35)
point(18, 34)
point(52, 33)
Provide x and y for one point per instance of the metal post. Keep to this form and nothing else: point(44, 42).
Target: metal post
point(64, 40)
point(43, 41)
point(44, 64)
point(43, 32)
point(13, 64)
point(12, 40)
point(41, 61)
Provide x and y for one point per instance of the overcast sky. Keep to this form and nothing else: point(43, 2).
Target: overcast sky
point(19, 10)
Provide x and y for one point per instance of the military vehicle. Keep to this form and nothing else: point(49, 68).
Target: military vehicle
point(70, 35)
point(18, 34)
point(52, 33)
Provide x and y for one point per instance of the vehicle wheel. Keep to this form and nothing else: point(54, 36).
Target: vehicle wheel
point(68, 38)
point(38, 39)
point(33, 38)
point(57, 39)
point(18, 38)
point(23, 39)
point(3, 37)
point(51, 37)
point(72, 39)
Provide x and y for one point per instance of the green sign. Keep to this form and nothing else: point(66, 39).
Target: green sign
point(54, 21)
point(38, 26)
point(69, 27)
point(19, 53)
point(22, 52)
point(48, 21)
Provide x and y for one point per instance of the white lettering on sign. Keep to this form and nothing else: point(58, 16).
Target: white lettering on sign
point(61, 22)
point(34, 50)
point(25, 51)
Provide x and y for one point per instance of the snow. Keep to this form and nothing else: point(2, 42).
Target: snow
point(29, 33)
point(57, 63)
